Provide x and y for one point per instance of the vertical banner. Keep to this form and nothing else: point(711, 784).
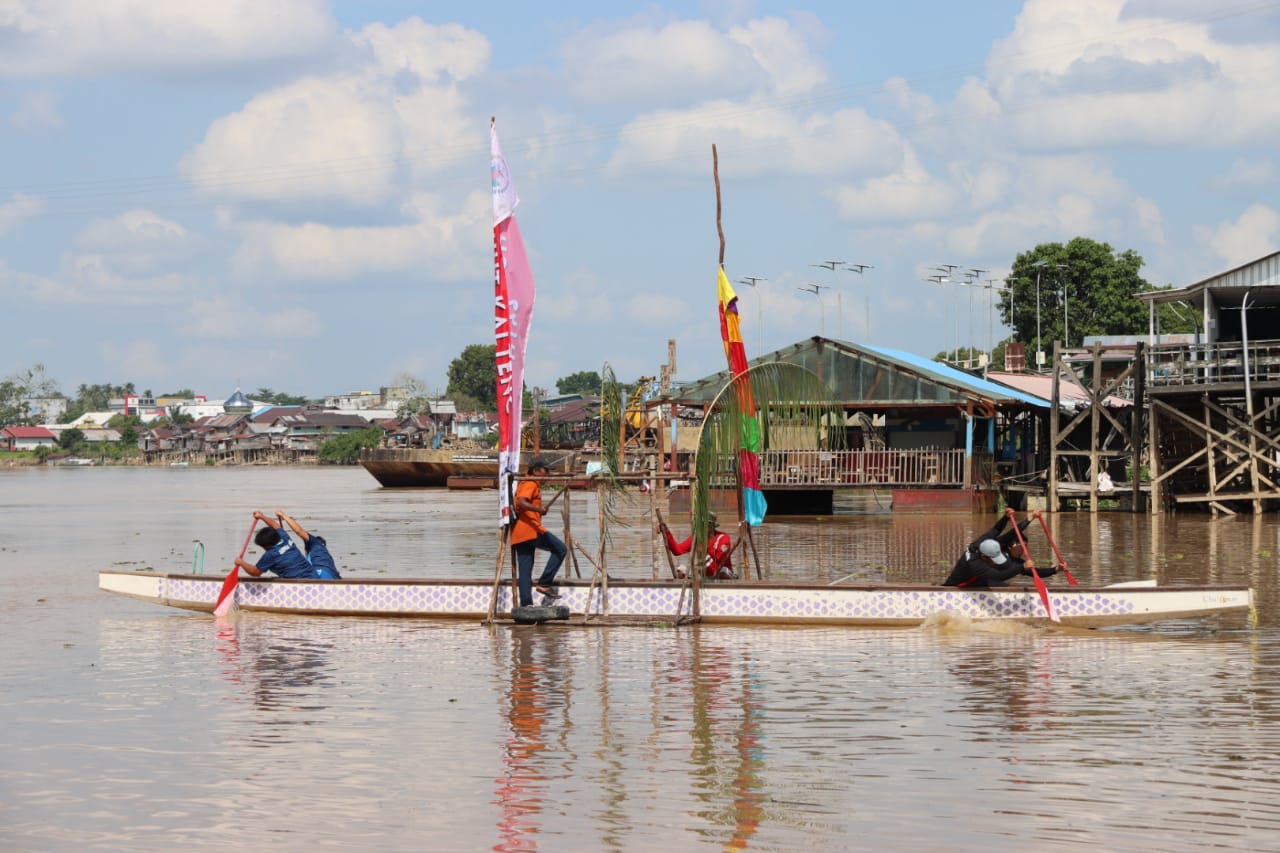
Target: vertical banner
point(754, 505)
point(512, 315)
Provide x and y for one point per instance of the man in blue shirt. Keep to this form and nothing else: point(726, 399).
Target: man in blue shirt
point(283, 558)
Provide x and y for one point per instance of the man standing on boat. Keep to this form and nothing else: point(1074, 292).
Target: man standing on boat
point(719, 561)
point(528, 535)
point(283, 558)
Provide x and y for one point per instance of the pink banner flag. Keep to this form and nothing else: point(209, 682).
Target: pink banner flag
point(513, 313)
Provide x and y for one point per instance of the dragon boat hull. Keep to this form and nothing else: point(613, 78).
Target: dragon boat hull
point(721, 602)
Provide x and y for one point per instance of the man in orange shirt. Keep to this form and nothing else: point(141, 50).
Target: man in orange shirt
point(528, 535)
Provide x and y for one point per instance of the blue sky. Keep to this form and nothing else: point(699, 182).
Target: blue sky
point(294, 194)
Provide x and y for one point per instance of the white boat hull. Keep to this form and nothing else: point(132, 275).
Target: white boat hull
point(741, 603)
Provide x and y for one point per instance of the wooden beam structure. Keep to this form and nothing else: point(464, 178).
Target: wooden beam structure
point(1086, 369)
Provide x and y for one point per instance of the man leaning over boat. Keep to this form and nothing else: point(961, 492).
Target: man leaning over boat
point(719, 560)
point(994, 558)
point(282, 557)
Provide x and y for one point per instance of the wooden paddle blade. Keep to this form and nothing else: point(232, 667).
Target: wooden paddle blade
point(1061, 562)
point(1035, 576)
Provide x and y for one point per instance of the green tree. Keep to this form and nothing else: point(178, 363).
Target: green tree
point(70, 439)
point(418, 401)
point(474, 373)
point(128, 426)
point(277, 398)
point(16, 389)
point(13, 407)
point(1075, 290)
point(94, 398)
point(585, 382)
point(184, 393)
point(345, 449)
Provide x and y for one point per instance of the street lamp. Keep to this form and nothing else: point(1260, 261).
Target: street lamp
point(941, 280)
point(751, 281)
point(1039, 265)
point(1066, 323)
point(947, 277)
point(859, 269)
point(974, 275)
point(991, 310)
point(816, 290)
point(833, 265)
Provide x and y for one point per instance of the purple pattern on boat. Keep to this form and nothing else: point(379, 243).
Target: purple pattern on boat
point(643, 600)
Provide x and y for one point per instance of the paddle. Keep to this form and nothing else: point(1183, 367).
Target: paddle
point(227, 597)
point(671, 562)
point(1040, 587)
point(1062, 564)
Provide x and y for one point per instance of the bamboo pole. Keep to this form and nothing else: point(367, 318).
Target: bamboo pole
point(503, 535)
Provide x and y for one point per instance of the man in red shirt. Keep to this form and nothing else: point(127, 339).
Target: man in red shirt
point(528, 535)
point(719, 561)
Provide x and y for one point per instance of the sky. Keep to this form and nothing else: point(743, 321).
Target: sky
point(295, 195)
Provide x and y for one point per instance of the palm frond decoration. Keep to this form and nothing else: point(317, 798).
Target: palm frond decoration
point(612, 412)
point(794, 409)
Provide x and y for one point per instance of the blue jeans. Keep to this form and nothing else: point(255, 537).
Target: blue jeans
point(524, 563)
point(321, 559)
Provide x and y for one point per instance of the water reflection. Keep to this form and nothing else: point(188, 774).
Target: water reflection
point(608, 727)
point(727, 722)
point(535, 668)
point(282, 675)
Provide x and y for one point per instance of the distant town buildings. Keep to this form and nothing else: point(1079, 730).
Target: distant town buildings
point(240, 427)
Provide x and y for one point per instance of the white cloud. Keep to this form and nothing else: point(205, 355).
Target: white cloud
point(909, 193)
point(1150, 220)
point(427, 53)
point(1248, 175)
point(90, 279)
point(93, 37)
point(764, 141)
point(350, 136)
point(95, 279)
point(448, 245)
point(638, 63)
point(222, 316)
point(1082, 74)
point(138, 242)
point(310, 140)
point(22, 208)
point(1254, 234)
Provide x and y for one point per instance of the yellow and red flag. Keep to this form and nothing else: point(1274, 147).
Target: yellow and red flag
point(754, 506)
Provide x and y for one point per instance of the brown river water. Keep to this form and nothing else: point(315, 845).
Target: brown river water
point(127, 726)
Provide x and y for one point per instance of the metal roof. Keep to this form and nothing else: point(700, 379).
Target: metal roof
point(1228, 287)
point(948, 375)
point(863, 358)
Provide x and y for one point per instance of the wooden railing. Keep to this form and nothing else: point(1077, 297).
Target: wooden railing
point(1200, 364)
point(846, 468)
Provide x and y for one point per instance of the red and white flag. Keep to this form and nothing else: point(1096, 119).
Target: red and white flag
point(513, 313)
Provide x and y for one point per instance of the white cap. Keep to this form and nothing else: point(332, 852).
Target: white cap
point(990, 549)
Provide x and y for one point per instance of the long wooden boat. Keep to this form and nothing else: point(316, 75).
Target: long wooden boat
point(721, 602)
